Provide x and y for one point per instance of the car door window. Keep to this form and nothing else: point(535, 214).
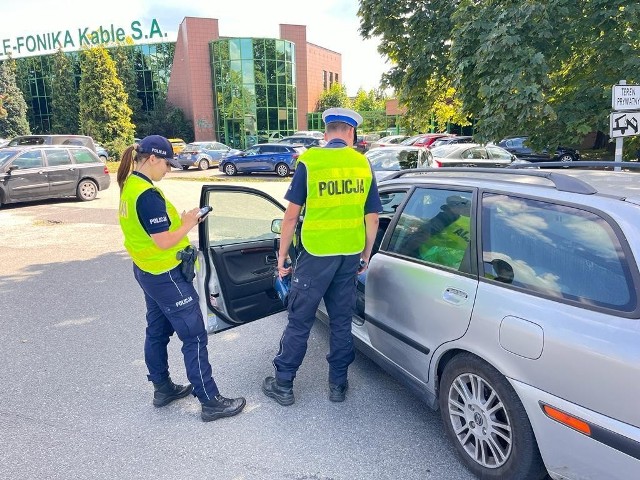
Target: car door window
point(58, 157)
point(253, 151)
point(555, 250)
point(239, 218)
point(434, 227)
point(83, 156)
point(498, 153)
point(30, 159)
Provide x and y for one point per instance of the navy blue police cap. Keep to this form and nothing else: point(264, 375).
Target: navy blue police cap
point(160, 147)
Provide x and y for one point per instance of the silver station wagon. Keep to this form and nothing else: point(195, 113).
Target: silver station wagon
point(507, 299)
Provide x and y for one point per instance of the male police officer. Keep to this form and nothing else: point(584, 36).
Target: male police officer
point(341, 204)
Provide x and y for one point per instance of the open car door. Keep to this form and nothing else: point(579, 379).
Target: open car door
point(237, 260)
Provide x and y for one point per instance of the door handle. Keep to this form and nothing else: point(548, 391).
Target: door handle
point(270, 259)
point(454, 296)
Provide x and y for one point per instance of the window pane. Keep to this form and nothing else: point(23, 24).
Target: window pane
point(555, 250)
point(58, 157)
point(82, 156)
point(31, 159)
point(434, 227)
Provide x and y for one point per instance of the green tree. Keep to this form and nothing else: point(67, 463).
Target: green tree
point(334, 96)
point(125, 66)
point(64, 95)
point(165, 120)
point(15, 121)
point(104, 112)
point(541, 67)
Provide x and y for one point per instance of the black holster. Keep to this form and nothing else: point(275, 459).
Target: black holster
point(187, 259)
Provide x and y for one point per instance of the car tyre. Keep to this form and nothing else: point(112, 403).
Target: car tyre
point(282, 170)
point(485, 420)
point(203, 164)
point(566, 157)
point(87, 190)
point(230, 169)
point(103, 158)
point(185, 167)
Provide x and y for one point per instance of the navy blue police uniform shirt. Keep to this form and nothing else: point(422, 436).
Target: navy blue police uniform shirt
point(152, 209)
point(297, 192)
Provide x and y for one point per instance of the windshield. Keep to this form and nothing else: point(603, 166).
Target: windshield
point(382, 159)
point(5, 155)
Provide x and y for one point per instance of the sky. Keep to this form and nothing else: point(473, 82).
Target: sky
point(332, 24)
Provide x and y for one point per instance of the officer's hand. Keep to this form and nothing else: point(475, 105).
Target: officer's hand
point(364, 264)
point(190, 218)
point(283, 271)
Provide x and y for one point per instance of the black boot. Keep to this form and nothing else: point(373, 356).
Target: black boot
point(337, 393)
point(219, 407)
point(281, 392)
point(167, 391)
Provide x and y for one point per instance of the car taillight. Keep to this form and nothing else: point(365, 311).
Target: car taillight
point(295, 156)
point(106, 170)
point(437, 164)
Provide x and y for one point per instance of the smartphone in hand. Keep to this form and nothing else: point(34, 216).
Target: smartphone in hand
point(204, 211)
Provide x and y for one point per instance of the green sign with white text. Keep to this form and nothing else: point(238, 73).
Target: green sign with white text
point(75, 39)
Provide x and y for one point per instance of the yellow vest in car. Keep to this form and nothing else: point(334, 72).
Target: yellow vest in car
point(143, 250)
point(338, 182)
point(447, 247)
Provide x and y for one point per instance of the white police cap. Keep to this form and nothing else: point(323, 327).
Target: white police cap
point(345, 115)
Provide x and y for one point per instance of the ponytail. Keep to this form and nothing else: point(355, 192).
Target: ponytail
point(126, 165)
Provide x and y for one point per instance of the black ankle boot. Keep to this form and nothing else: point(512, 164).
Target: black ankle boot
point(280, 392)
point(219, 407)
point(167, 391)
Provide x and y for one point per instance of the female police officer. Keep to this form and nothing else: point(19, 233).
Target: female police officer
point(339, 193)
point(154, 234)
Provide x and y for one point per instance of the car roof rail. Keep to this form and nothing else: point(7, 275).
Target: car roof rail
point(564, 183)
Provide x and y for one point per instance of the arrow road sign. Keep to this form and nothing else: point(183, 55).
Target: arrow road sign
point(624, 124)
point(625, 97)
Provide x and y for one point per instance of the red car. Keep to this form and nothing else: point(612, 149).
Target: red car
point(424, 139)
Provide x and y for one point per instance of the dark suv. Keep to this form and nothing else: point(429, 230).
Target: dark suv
point(78, 140)
point(304, 140)
point(50, 171)
point(519, 147)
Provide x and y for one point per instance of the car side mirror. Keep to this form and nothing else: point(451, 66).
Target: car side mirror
point(12, 168)
point(276, 226)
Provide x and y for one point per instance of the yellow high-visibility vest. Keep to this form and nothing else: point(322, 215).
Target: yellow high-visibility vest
point(338, 182)
point(143, 250)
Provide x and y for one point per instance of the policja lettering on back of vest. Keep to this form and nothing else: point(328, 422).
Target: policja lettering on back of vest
point(339, 187)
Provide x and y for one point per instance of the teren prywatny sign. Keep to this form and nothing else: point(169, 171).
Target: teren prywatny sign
point(625, 97)
point(624, 121)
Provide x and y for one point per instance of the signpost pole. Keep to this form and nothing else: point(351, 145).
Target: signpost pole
point(619, 141)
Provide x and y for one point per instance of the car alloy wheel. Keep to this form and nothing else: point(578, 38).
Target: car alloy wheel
point(282, 170)
point(566, 157)
point(87, 190)
point(203, 164)
point(230, 169)
point(485, 420)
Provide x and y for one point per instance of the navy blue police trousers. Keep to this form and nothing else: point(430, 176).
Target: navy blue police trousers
point(314, 278)
point(172, 306)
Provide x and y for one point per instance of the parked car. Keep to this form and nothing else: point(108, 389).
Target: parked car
point(50, 171)
point(507, 299)
point(305, 140)
point(424, 139)
point(364, 141)
point(102, 152)
point(388, 160)
point(203, 155)
point(519, 147)
point(468, 155)
point(452, 140)
point(263, 157)
point(388, 141)
point(3, 142)
point(46, 139)
point(310, 133)
point(178, 145)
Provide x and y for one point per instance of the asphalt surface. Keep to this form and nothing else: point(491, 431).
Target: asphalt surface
point(75, 402)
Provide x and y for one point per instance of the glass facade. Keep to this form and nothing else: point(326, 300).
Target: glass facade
point(254, 87)
point(152, 65)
